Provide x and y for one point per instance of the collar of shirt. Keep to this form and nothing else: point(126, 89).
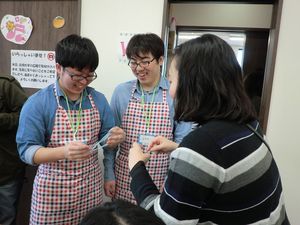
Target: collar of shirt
point(163, 84)
point(61, 94)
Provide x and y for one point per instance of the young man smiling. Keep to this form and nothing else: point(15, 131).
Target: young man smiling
point(59, 128)
point(144, 109)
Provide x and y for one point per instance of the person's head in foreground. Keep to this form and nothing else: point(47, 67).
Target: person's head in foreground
point(207, 83)
point(120, 212)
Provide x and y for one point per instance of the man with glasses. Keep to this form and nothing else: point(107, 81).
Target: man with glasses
point(144, 109)
point(59, 129)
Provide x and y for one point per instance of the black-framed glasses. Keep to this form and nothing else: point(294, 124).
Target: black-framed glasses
point(144, 63)
point(75, 77)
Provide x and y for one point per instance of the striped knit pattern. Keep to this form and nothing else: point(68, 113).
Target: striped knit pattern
point(221, 173)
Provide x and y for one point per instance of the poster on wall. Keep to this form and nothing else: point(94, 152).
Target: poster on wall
point(16, 29)
point(33, 69)
point(124, 38)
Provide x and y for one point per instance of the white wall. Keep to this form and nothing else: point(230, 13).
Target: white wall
point(103, 21)
point(284, 117)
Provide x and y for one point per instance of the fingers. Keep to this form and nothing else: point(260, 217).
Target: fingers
point(156, 141)
point(146, 157)
point(156, 144)
point(109, 188)
point(77, 151)
point(117, 136)
point(136, 145)
point(162, 144)
point(117, 131)
point(115, 139)
point(136, 154)
point(156, 148)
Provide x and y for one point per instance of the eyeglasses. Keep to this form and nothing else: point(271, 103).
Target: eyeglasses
point(92, 76)
point(133, 64)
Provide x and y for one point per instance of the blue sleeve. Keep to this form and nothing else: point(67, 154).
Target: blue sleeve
point(107, 119)
point(33, 130)
point(107, 122)
point(115, 107)
point(118, 104)
point(120, 100)
point(181, 129)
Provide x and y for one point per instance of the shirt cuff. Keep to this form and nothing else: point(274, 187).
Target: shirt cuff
point(109, 164)
point(30, 152)
point(136, 169)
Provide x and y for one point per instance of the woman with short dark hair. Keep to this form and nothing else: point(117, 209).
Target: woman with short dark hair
point(223, 172)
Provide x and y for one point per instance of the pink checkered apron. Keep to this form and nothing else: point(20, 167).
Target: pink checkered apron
point(65, 190)
point(134, 124)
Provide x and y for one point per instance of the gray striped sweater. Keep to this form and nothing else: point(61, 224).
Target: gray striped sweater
point(221, 173)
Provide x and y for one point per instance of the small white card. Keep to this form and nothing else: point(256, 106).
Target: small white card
point(145, 139)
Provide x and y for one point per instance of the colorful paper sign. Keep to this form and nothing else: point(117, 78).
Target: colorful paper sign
point(33, 69)
point(16, 29)
point(124, 38)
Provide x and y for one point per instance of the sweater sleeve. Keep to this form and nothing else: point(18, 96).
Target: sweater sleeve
point(190, 183)
point(142, 185)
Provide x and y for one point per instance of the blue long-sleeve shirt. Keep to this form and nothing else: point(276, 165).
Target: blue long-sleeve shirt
point(38, 116)
point(119, 103)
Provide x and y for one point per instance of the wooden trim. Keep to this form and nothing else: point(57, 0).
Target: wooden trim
point(219, 29)
point(270, 64)
point(271, 51)
point(270, 59)
point(78, 28)
point(165, 20)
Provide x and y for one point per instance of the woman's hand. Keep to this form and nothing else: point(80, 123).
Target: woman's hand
point(117, 136)
point(136, 154)
point(77, 151)
point(162, 145)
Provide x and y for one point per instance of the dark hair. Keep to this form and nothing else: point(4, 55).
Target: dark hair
point(144, 44)
point(253, 83)
point(120, 212)
point(210, 83)
point(77, 52)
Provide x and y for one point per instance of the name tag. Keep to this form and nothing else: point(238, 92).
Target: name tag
point(145, 139)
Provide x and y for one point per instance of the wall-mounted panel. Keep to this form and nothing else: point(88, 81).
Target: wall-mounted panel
point(44, 36)
point(222, 15)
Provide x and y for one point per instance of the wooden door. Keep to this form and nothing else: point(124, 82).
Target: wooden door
point(43, 37)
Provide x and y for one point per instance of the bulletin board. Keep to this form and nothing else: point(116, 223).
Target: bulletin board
point(46, 18)
point(44, 36)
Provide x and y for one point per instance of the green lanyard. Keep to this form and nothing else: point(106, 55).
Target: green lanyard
point(147, 114)
point(73, 126)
